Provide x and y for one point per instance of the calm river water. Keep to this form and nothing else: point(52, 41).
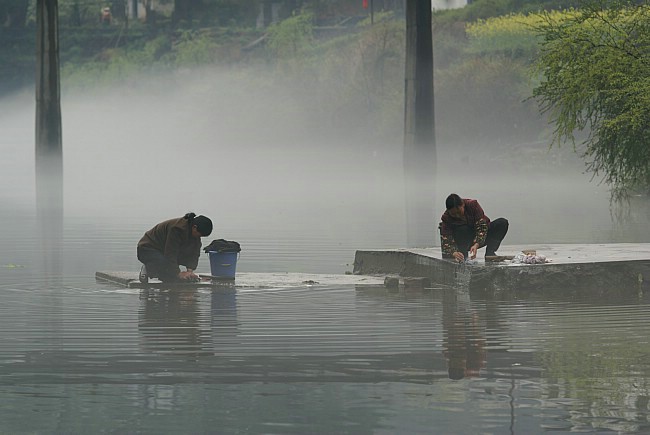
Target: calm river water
point(80, 356)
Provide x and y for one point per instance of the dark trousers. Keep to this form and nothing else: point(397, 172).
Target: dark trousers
point(464, 236)
point(158, 266)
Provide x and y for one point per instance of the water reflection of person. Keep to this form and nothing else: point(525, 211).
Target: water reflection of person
point(464, 336)
point(223, 318)
point(169, 322)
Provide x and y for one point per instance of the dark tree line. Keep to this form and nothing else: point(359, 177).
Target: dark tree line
point(16, 13)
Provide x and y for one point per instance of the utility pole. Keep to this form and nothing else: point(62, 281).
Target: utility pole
point(419, 126)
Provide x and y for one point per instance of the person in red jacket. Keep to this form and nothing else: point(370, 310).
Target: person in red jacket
point(170, 244)
point(465, 229)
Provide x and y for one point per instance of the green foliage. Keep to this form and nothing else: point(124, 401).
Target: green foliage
point(195, 48)
point(512, 35)
point(155, 49)
point(355, 81)
point(482, 81)
point(484, 9)
point(488, 106)
point(292, 36)
point(188, 49)
point(595, 85)
point(369, 75)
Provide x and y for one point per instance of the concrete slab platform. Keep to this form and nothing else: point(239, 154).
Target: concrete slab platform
point(244, 280)
point(573, 268)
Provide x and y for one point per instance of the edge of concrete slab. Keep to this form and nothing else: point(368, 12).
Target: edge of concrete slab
point(130, 280)
point(246, 280)
point(602, 269)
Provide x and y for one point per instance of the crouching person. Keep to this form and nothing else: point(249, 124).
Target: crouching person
point(465, 229)
point(170, 244)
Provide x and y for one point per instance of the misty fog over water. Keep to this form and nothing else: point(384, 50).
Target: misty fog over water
point(300, 194)
point(296, 190)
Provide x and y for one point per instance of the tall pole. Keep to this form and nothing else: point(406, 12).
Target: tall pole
point(48, 143)
point(48, 152)
point(419, 126)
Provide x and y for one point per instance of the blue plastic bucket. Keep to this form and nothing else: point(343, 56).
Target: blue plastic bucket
point(223, 264)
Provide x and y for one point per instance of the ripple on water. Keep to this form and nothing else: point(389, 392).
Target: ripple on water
point(388, 354)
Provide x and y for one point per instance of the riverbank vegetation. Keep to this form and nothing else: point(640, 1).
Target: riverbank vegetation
point(496, 62)
point(595, 86)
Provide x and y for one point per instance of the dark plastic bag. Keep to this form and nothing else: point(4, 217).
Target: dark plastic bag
point(222, 245)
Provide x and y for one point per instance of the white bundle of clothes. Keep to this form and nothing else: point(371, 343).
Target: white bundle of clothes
point(522, 258)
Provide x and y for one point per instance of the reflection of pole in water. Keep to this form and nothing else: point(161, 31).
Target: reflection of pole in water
point(511, 393)
point(223, 319)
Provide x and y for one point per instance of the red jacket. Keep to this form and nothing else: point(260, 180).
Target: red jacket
point(475, 217)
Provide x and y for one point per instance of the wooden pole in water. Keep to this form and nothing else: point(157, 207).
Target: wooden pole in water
point(48, 146)
point(419, 125)
point(49, 151)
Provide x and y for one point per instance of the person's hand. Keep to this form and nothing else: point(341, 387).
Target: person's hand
point(188, 276)
point(472, 251)
point(459, 256)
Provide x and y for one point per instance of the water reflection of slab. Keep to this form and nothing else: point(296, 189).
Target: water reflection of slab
point(244, 280)
point(603, 269)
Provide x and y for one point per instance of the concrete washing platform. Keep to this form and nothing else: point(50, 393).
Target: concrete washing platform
point(574, 269)
point(243, 280)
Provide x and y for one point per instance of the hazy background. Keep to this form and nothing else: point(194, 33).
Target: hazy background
point(299, 192)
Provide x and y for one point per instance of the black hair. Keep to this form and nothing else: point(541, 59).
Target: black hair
point(456, 373)
point(203, 223)
point(453, 201)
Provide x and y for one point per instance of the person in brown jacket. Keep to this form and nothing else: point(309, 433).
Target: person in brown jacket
point(170, 244)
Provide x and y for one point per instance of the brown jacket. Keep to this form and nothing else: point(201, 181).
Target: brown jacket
point(174, 239)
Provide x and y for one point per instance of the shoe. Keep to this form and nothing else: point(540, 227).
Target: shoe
point(144, 279)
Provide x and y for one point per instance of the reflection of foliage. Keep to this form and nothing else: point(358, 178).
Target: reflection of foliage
point(602, 378)
point(595, 67)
